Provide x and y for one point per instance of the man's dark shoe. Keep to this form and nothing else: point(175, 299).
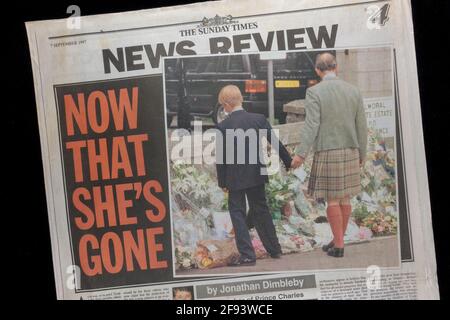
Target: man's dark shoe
point(276, 256)
point(336, 252)
point(242, 262)
point(327, 247)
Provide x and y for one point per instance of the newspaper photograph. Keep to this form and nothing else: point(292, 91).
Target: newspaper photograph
point(253, 150)
point(299, 220)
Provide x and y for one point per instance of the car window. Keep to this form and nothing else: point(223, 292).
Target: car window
point(201, 65)
point(305, 61)
point(191, 65)
point(235, 64)
point(170, 66)
point(211, 64)
point(294, 61)
point(261, 65)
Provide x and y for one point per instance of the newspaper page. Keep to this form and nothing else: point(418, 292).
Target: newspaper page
point(131, 109)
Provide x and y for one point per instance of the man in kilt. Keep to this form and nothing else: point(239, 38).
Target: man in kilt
point(336, 130)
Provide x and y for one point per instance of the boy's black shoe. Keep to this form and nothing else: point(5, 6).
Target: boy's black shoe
point(242, 262)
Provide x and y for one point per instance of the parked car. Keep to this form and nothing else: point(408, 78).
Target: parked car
point(197, 81)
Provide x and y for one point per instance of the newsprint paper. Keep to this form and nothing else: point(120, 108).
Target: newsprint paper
point(131, 107)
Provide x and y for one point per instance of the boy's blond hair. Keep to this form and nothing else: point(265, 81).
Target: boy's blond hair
point(231, 95)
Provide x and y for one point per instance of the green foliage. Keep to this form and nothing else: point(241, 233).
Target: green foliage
point(381, 224)
point(360, 213)
point(278, 193)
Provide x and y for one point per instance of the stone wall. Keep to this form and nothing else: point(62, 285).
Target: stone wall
point(369, 69)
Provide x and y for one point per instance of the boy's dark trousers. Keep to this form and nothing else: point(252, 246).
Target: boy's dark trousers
point(261, 219)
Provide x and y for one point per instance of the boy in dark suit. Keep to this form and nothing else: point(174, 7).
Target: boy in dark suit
point(241, 173)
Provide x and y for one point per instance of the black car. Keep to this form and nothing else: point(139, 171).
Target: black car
point(194, 83)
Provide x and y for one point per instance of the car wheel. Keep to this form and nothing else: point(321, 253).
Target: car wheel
point(219, 114)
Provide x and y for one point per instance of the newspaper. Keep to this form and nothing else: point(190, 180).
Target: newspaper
point(127, 105)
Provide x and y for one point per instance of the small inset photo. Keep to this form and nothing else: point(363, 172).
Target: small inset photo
point(183, 293)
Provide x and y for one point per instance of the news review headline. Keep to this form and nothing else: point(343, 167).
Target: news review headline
point(140, 57)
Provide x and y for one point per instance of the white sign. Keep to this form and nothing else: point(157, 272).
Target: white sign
point(380, 115)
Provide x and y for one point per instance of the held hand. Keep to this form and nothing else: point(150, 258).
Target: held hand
point(225, 190)
point(297, 161)
point(361, 162)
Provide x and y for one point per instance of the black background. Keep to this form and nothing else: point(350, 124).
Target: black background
point(26, 251)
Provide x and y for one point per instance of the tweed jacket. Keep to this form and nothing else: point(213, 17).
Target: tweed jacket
point(335, 118)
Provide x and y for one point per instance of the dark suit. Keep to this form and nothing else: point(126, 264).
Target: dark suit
point(245, 180)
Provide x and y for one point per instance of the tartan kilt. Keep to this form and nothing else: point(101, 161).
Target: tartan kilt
point(335, 174)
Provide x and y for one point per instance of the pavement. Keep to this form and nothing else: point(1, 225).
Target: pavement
point(382, 252)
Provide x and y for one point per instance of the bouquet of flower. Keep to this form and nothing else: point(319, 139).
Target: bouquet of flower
point(380, 224)
point(184, 257)
point(260, 251)
point(278, 194)
point(188, 180)
point(215, 253)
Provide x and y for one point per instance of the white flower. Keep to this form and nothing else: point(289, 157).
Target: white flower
point(186, 263)
point(204, 212)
